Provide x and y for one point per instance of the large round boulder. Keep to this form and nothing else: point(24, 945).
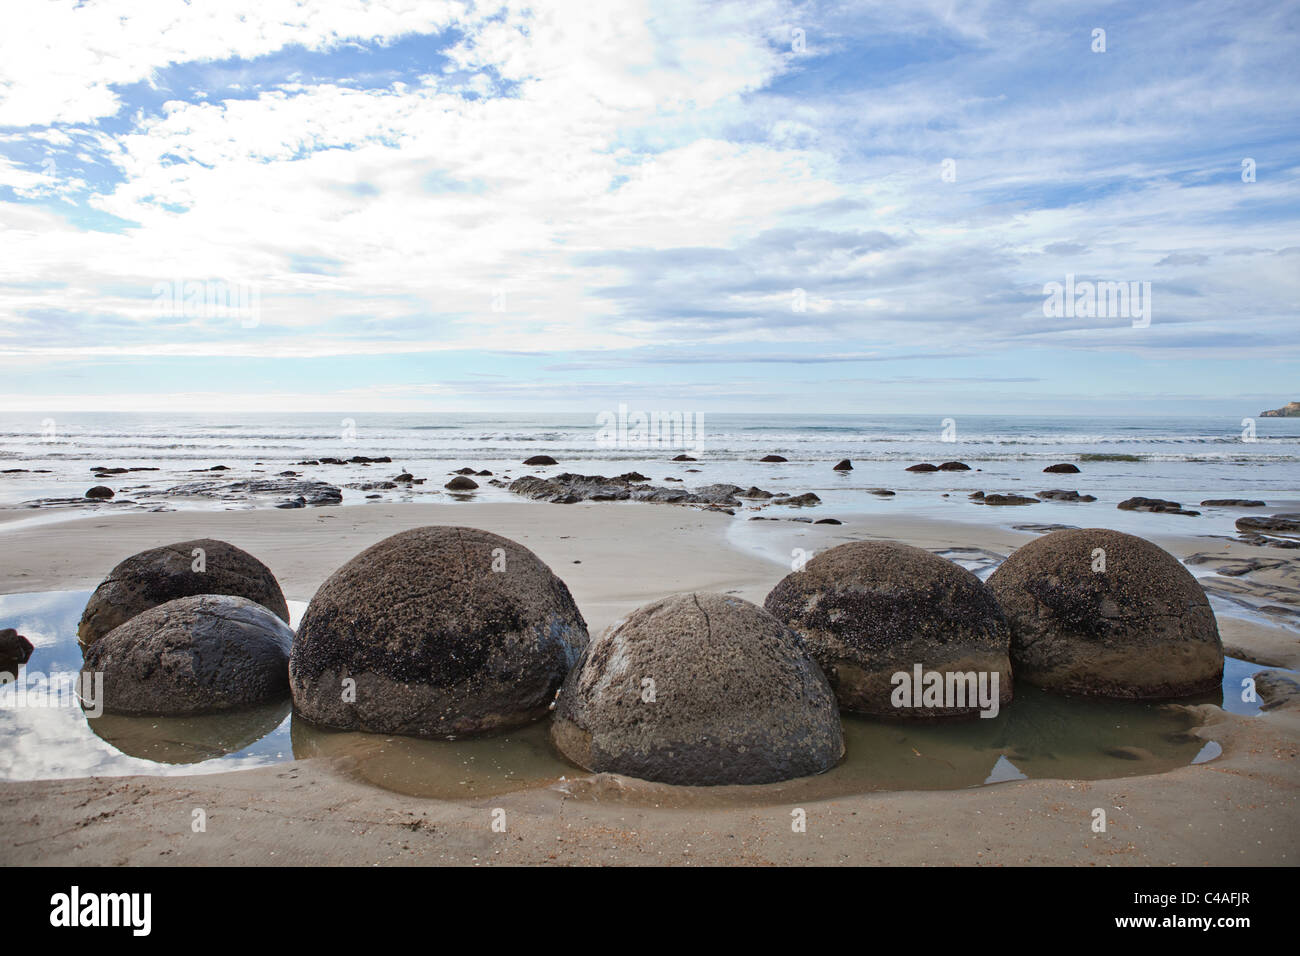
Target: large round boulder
point(699, 689)
point(1098, 612)
point(159, 575)
point(194, 655)
point(436, 632)
point(872, 610)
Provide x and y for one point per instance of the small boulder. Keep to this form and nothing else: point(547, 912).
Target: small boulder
point(1062, 468)
point(540, 460)
point(844, 465)
point(194, 655)
point(101, 492)
point(15, 650)
point(683, 458)
point(773, 458)
point(734, 698)
point(1234, 503)
point(461, 483)
point(159, 575)
point(954, 466)
point(924, 466)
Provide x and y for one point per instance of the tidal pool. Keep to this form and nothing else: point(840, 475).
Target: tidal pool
point(1039, 735)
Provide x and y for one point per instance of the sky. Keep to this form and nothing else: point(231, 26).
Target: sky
point(741, 207)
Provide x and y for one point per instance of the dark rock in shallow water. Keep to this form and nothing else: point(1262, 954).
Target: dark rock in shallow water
point(828, 521)
point(463, 471)
point(1064, 468)
point(444, 630)
point(1233, 503)
point(404, 476)
point(683, 458)
point(1060, 495)
point(773, 458)
point(1277, 524)
point(996, 499)
point(883, 492)
point(159, 575)
point(871, 609)
point(844, 465)
point(976, 495)
point(461, 483)
point(806, 500)
point(699, 689)
point(569, 488)
point(289, 489)
point(1155, 505)
point(540, 460)
point(754, 492)
point(100, 491)
point(924, 466)
point(15, 650)
point(193, 655)
point(954, 466)
point(1139, 627)
point(632, 476)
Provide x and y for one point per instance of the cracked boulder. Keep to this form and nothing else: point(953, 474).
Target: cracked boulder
point(1108, 614)
point(194, 655)
point(871, 609)
point(436, 632)
point(699, 689)
point(158, 575)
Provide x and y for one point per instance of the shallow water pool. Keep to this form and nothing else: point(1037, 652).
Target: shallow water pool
point(1039, 735)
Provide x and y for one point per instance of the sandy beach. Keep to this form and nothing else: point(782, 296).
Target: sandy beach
point(1240, 808)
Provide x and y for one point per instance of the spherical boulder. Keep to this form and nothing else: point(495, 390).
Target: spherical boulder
point(102, 492)
point(158, 575)
point(194, 655)
point(872, 610)
point(699, 689)
point(1107, 614)
point(436, 632)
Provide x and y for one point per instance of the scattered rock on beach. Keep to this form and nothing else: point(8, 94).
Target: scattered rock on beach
point(297, 491)
point(683, 458)
point(954, 466)
point(461, 483)
point(1061, 495)
point(997, 499)
point(193, 655)
point(699, 689)
point(540, 460)
point(773, 458)
point(870, 609)
point(1107, 614)
point(805, 500)
point(444, 630)
point(1233, 503)
point(828, 521)
point(844, 465)
point(570, 488)
point(100, 491)
point(1277, 524)
point(924, 466)
point(159, 575)
point(883, 492)
point(1154, 505)
point(1062, 468)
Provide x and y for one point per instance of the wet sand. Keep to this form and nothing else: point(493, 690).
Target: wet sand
point(1238, 809)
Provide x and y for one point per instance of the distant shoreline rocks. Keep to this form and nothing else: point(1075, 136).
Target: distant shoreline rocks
point(1289, 410)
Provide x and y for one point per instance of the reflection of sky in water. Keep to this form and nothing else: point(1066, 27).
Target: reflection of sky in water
point(58, 741)
point(1038, 735)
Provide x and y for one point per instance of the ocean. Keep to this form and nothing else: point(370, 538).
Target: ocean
point(1185, 459)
